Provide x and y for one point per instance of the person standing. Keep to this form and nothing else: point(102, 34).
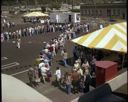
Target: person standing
point(58, 76)
point(68, 81)
point(36, 76)
point(44, 70)
point(75, 81)
point(2, 37)
point(87, 81)
point(31, 76)
point(85, 65)
point(81, 84)
point(18, 42)
point(76, 65)
point(65, 56)
point(93, 65)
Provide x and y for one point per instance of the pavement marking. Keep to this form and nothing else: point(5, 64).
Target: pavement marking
point(4, 58)
point(20, 72)
point(7, 66)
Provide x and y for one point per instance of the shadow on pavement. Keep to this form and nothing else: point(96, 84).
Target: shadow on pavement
point(61, 87)
point(70, 62)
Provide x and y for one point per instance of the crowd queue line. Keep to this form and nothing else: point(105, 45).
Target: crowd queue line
point(77, 80)
point(82, 73)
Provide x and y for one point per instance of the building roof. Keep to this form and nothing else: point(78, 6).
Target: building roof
point(14, 90)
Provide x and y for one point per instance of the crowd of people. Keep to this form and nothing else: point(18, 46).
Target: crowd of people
point(82, 74)
point(77, 80)
point(83, 69)
point(7, 24)
point(43, 29)
point(44, 61)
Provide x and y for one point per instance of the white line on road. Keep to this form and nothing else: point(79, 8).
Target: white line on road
point(4, 58)
point(20, 72)
point(7, 66)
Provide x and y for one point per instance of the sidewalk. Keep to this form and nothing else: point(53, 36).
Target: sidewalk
point(123, 89)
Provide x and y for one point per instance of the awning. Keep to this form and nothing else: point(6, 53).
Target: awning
point(112, 37)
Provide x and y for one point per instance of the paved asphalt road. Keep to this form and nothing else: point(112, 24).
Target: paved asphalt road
point(16, 62)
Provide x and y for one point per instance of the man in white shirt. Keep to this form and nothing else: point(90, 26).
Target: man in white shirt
point(41, 64)
point(58, 75)
point(101, 26)
point(18, 43)
point(43, 70)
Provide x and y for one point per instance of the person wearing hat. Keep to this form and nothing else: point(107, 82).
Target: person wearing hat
point(31, 76)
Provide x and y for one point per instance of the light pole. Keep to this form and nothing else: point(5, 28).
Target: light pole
point(72, 4)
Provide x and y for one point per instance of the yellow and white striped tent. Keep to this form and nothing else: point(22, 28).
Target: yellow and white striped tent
point(112, 37)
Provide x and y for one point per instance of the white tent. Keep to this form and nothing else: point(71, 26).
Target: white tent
point(35, 14)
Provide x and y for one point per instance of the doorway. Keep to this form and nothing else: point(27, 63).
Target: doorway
point(70, 18)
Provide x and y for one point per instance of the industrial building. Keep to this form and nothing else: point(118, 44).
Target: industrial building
point(114, 9)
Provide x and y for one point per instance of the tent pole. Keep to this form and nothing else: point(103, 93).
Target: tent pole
point(123, 61)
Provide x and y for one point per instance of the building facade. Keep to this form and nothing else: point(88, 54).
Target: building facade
point(104, 10)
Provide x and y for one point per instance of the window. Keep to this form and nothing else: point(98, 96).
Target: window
point(100, 12)
point(92, 12)
point(82, 12)
point(114, 12)
point(96, 12)
point(85, 12)
point(88, 11)
point(118, 11)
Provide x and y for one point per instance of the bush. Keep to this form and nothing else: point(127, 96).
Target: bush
point(75, 10)
point(55, 5)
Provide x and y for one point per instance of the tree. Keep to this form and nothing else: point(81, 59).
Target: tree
point(55, 5)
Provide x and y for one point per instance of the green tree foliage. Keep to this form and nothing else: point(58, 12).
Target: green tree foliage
point(55, 5)
point(75, 10)
point(43, 2)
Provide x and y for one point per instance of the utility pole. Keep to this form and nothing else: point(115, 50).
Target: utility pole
point(72, 4)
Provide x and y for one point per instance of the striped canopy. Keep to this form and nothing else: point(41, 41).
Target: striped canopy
point(35, 14)
point(112, 37)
